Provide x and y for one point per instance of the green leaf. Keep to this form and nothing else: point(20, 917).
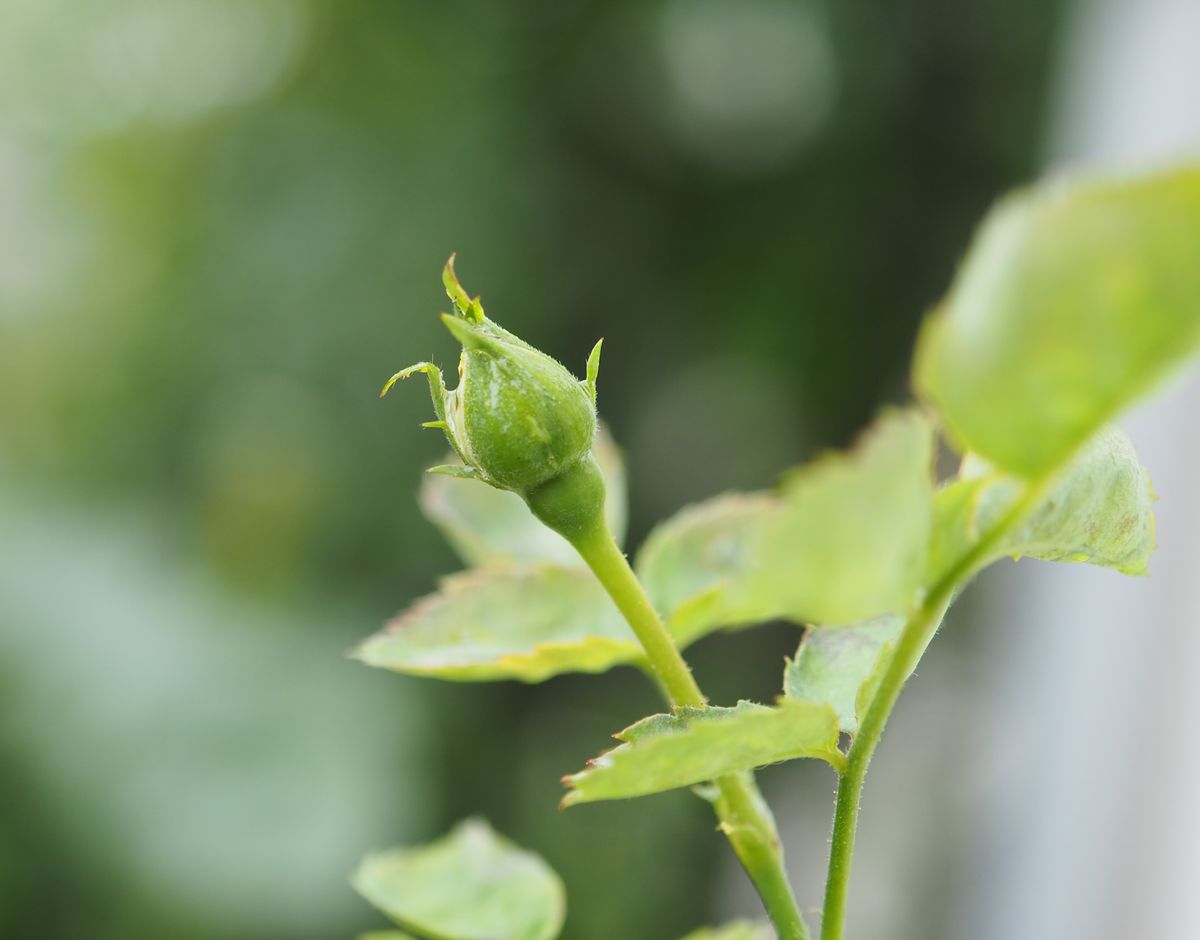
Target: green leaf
point(845, 539)
point(852, 540)
point(506, 623)
point(471, 884)
point(955, 529)
point(738, 930)
point(1075, 299)
point(693, 745)
point(1099, 512)
point(386, 935)
point(486, 525)
point(833, 666)
point(690, 563)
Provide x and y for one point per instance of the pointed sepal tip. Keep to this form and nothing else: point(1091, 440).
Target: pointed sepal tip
point(467, 307)
point(593, 368)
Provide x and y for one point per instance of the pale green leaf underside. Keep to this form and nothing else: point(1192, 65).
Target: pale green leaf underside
point(692, 745)
point(527, 624)
point(1073, 300)
point(472, 884)
point(832, 666)
point(844, 539)
point(738, 930)
point(487, 525)
point(1099, 512)
point(693, 564)
point(506, 623)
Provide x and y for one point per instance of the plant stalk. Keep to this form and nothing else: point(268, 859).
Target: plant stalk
point(914, 640)
point(744, 816)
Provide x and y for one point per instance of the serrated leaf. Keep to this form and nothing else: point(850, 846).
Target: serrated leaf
point(1075, 298)
point(693, 564)
point(471, 884)
point(1100, 511)
point(844, 539)
point(738, 930)
point(852, 540)
point(486, 525)
point(506, 623)
point(692, 745)
point(832, 666)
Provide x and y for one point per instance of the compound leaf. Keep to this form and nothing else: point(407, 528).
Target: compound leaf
point(833, 666)
point(692, 745)
point(506, 623)
point(471, 884)
point(738, 930)
point(486, 525)
point(1075, 298)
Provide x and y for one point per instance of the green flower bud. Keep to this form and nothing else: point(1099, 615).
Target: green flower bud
point(518, 419)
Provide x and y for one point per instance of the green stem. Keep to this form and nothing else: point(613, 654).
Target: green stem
point(612, 569)
point(744, 816)
point(912, 643)
point(918, 632)
point(749, 826)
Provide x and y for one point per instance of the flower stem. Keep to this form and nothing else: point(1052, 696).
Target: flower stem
point(744, 816)
point(612, 569)
point(922, 624)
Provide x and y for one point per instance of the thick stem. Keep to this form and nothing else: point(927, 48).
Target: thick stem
point(744, 816)
point(918, 631)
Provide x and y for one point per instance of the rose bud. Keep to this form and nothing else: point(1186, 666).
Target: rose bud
point(518, 419)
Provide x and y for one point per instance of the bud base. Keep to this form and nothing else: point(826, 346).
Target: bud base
point(572, 504)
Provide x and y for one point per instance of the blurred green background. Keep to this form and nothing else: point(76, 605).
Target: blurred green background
point(222, 224)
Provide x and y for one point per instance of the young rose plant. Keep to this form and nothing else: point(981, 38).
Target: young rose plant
point(1074, 299)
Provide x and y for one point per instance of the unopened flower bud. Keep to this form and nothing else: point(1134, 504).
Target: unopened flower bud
point(518, 419)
